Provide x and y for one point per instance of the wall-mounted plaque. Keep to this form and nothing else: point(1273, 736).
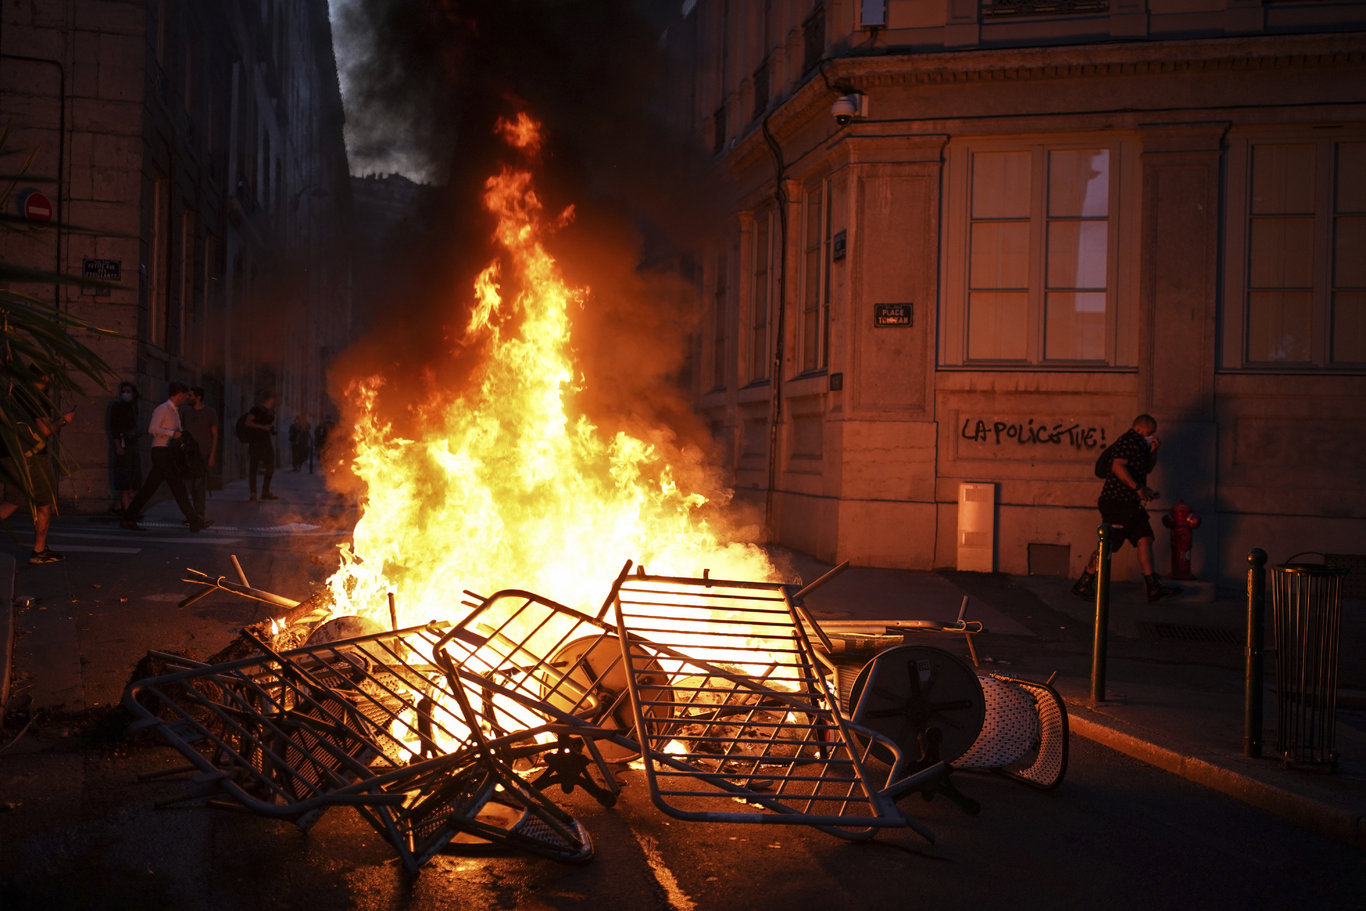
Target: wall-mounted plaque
point(885, 315)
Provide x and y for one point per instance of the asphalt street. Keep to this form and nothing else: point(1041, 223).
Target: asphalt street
point(1174, 699)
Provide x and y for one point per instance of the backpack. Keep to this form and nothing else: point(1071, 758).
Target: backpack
point(243, 432)
point(1105, 461)
point(187, 462)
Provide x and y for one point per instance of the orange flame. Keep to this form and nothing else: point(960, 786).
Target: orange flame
point(504, 488)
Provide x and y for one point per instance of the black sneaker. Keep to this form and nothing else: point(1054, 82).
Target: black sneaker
point(130, 524)
point(200, 526)
point(1156, 591)
point(46, 555)
point(269, 496)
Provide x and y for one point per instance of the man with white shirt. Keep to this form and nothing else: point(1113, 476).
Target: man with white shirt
point(164, 427)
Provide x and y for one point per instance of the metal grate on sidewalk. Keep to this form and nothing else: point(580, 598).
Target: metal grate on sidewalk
point(1189, 632)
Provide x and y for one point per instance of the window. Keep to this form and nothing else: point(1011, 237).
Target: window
point(1035, 277)
point(761, 90)
point(719, 306)
point(761, 303)
point(188, 277)
point(815, 281)
point(1297, 264)
point(159, 273)
point(991, 8)
point(813, 39)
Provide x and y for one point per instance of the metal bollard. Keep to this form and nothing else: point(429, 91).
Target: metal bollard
point(1256, 626)
point(1098, 646)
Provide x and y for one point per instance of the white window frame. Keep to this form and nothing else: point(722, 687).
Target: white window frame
point(763, 289)
point(1124, 205)
point(720, 307)
point(1234, 354)
point(815, 254)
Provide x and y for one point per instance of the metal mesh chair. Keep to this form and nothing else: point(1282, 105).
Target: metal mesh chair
point(1025, 733)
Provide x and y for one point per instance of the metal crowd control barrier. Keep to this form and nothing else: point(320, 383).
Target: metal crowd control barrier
point(368, 723)
point(1306, 607)
point(736, 702)
point(729, 702)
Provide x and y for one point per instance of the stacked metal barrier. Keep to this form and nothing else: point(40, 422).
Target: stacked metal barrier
point(450, 735)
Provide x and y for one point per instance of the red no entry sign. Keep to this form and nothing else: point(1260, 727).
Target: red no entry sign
point(37, 207)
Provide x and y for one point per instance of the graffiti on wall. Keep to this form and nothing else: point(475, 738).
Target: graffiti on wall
point(1033, 433)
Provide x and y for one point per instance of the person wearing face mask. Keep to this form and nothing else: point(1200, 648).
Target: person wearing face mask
point(125, 456)
point(1123, 504)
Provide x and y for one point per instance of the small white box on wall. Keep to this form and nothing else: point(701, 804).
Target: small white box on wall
point(976, 527)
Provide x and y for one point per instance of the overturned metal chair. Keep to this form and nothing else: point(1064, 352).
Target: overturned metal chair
point(936, 706)
point(1024, 733)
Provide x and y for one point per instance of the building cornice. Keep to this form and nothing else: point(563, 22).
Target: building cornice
point(811, 98)
point(1108, 59)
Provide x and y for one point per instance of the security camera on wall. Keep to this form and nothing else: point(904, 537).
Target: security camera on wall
point(848, 107)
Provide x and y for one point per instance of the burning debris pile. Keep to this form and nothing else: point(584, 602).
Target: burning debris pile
point(491, 467)
point(447, 732)
point(449, 735)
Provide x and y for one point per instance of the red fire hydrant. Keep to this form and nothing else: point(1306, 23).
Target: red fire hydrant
point(1182, 522)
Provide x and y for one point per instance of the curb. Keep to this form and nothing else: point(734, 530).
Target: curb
point(1305, 812)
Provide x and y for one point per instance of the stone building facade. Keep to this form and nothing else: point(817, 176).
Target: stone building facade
point(193, 157)
point(972, 239)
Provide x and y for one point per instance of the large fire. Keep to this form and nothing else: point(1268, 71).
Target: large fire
point(503, 487)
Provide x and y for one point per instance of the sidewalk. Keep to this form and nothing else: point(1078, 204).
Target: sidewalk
point(1174, 671)
point(1174, 677)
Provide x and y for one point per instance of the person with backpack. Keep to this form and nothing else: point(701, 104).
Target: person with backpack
point(201, 422)
point(258, 426)
point(1125, 465)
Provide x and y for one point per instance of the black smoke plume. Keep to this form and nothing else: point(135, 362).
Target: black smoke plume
point(425, 82)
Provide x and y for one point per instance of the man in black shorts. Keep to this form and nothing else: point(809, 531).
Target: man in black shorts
point(1121, 504)
point(41, 497)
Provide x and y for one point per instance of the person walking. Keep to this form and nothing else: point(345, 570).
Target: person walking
point(125, 456)
point(41, 497)
point(164, 427)
point(260, 425)
point(201, 422)
point(1123, 502)
point(301, 442)
point(320, 434)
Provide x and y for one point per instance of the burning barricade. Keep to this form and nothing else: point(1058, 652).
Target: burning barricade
point(732, 698)
point(735, 702)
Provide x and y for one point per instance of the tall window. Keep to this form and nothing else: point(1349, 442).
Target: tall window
point(718, 331)
point(159, 275)
point(1297, 267)
point(761, 76)
point(188, 276)
point(813, 38)
point(815, 280)
point(1034, 261)
point(761, 303)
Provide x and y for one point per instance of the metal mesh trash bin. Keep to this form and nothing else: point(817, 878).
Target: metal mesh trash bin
point(1306, 606)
